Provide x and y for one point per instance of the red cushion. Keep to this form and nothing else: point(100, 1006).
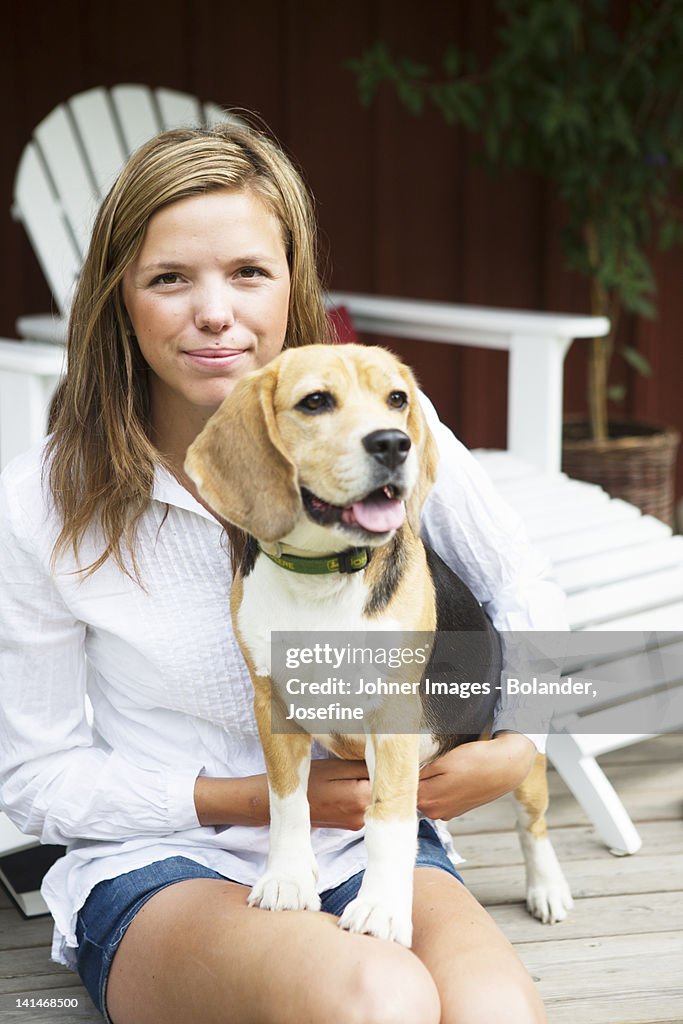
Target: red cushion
point(343, 331)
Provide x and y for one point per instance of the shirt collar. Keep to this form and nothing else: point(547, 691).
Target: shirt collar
point(169, 491)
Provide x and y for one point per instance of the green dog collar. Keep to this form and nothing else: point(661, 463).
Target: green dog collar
point(349, 561)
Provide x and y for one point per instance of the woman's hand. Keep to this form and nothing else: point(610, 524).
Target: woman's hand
point(338, 794)
point(474, 774)
point(339, 791)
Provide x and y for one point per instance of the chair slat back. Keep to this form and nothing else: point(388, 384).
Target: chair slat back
point(177, 108)
point(41, 213)
point(137, 114)
point(100, 136)
point(61, 151)
point(73, 159)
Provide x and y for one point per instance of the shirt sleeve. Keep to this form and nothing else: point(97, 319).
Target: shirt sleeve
point(57, 781)
point(484, 541)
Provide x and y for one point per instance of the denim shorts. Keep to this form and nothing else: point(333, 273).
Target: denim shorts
point(112, 905)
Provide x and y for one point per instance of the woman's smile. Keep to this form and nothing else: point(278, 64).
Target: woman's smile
point(218, 358)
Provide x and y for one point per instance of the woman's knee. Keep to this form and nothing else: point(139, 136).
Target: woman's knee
point(391, 987)
point(509, 996)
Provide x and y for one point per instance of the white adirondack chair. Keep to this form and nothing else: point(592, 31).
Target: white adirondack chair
point(621, 570)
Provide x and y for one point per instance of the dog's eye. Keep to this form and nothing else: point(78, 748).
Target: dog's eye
point(398, 400)
point(317, 401)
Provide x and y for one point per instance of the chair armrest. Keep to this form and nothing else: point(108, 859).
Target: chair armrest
point(29, 374)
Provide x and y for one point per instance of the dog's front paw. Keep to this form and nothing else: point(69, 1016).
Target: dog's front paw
point(284, 891)
point(548, 896)
point(549, 900)
point(373, 918)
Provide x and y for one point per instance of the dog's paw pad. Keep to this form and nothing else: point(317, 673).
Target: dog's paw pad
point(281, 892)
point(549, 903)
point(379, 920)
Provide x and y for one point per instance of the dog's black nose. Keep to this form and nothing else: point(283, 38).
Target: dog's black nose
point(389, 447)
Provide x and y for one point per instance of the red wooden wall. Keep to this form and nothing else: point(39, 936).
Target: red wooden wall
point(404, 207)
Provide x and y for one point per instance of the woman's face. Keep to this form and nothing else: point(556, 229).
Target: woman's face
point(207, 297)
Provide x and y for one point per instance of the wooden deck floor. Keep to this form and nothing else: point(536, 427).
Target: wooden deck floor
point(617, 960)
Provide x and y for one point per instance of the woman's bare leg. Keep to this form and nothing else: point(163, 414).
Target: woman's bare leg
point(477, 972)
point(196, 951)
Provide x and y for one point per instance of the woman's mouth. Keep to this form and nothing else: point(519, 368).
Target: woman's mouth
point(215, 358)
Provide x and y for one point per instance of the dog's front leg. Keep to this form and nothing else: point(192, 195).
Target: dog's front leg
point(548, 895)
point(289, 882)
point(384, 903)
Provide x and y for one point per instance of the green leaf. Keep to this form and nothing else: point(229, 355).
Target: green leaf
point(451, 62)
point(412, 68)
point(410, 95)
point(668, 234)
point(616, 392)
point(637, 360)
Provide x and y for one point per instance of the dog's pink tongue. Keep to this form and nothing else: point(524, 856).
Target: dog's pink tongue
point(379, 515)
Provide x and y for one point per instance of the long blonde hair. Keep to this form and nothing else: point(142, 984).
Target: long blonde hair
point(99, 458)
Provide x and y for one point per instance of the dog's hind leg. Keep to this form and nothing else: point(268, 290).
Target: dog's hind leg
point(547, 892)
point(384, 903)
point(289, 882)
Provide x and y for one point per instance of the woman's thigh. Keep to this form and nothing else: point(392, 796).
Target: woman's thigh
point(478, 975)
point(197, 951)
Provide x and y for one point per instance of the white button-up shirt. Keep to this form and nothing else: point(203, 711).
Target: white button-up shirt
point(171, 697)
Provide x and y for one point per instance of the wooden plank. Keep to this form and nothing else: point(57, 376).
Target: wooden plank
point(653, 1008)
point(178, 109)
point(604, 604)
point(17, 932)
point(659, 750)
point(70, 173)
point(634, 785)
point(665, 619)
point(628, 914)
point(25, 969)
point(587, 878)
point(567, 524)
point(588, 949)
point(488, 849)
point(545, 496)
point(621, 535)
point(610, 567)
point(660, 668)
point(39, 211)
point(620, 964)
point(99, 136)
point(137, 114)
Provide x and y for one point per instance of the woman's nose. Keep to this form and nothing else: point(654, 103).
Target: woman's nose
point(214, 312)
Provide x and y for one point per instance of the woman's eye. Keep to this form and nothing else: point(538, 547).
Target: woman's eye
point(251, 272)
point(398, 400)
point(317, 401)
point(170, 278)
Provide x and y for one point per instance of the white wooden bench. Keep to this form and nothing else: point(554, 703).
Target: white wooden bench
point(621, 570)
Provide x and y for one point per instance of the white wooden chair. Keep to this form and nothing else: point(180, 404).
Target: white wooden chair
point(621, 570)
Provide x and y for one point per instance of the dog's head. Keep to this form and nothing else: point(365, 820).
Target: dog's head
point(326, 443)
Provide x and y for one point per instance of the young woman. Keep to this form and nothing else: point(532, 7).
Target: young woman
point(115, 581)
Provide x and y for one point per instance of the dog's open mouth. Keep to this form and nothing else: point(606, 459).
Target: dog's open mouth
point(379, 512)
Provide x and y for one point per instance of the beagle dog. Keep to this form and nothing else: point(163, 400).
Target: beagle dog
point(325, 459)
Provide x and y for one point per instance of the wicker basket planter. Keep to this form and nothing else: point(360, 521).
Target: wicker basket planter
point(636, 463)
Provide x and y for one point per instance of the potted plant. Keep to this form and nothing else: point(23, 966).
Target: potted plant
point(589, 96)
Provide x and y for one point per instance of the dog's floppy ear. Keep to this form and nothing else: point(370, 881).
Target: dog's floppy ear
point(240, 465)
point(427, 452)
